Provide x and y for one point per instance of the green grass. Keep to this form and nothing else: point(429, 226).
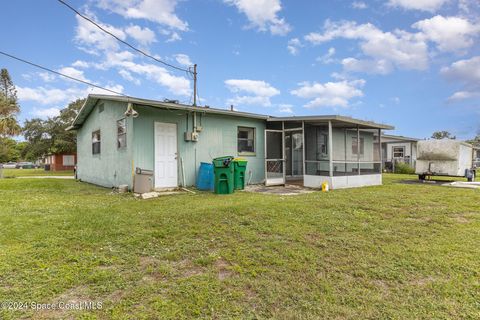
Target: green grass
point(397, 251)
point(13, 173)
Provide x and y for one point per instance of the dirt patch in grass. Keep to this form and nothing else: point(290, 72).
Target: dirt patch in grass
point(223, 269)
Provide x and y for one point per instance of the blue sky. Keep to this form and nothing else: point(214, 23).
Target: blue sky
point(414, 64)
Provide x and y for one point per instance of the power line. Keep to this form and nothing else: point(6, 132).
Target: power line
point(117, 38)
point(61, 74)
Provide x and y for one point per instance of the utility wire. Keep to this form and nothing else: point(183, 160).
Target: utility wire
point(61, 74)
point(122, 41)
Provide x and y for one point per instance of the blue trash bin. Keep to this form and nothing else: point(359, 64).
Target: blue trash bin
point(205, 179)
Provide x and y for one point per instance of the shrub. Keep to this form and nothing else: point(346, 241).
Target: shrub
point(404, 168)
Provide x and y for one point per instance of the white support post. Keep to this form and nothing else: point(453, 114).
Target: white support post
point(330, 148)
point(380, 149)
point(358, 149)
point(303, 149)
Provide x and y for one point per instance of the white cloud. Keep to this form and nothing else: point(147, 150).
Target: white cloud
point(89, 35)
point(81, 64)
point(381, 66)
point(294, 46)
point(359, 5)
point(183, 59)
point(423, 5)
point(263, 15)
point(46, 113)
point(74, 73)
point(449, 33)
point(102, 45)
point(128, 76)
point(285, 108)
point(330, 94)
point(255, 92)
point(46, 76)
point(49, 96)
point(144, 36)
point(466, 73)
point(327, 57)
point(398, 49)
point(175, 84)
point(158, 11)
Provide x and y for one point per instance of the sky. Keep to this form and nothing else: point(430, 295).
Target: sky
point(413, 64)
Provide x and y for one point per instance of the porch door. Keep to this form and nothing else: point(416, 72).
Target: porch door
point(274, 158)
point(166, 170)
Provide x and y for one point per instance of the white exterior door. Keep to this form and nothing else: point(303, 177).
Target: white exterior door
point(166, 169)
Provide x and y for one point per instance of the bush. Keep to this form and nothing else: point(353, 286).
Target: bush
point(404, 168)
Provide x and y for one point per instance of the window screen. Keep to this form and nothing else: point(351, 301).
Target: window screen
point(96, 139)
point(398, 152)
point(355, 146)
point(121, 133)
point(246, 140)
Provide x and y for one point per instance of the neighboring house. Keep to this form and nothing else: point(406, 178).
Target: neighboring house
point(397, 149)
point(171, 140)
point(60, 161)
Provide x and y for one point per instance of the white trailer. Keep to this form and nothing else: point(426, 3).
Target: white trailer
point(445, 158)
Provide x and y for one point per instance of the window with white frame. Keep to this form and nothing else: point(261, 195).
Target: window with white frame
point(246, 140)
point(121, 133)
point(398, 152)
point(68, 160)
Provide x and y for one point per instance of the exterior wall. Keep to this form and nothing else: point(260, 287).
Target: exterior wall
point(343, 181)
point(410, 149)
point(56, 162)
point(113, 166)
point(218, 138)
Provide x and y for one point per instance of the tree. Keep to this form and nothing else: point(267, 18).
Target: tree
point(443, 135)
point(9, 107)
point(50, 136)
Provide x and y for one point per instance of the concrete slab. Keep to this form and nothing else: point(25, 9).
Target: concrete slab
point(462, 184)
point(288, 190)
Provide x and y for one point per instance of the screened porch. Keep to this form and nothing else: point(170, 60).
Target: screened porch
point(341, 151)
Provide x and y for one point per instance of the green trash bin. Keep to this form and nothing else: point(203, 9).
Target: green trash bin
point(240, 166)
point(223, 171)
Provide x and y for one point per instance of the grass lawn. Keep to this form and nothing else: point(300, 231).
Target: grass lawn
point(397, 251)
point(13, 173)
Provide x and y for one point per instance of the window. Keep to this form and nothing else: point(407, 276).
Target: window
point(398, 152)
point(100, 108)
point(322, 144)
point(68, 160)
point(121, 133)
point(355, 146)
point(246, 140)
point(96, 139)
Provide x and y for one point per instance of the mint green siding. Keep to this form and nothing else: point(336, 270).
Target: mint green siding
point(112, 167)
point(218, 138)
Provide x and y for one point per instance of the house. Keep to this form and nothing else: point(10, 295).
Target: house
point(60, 161)
point(116, 135)
point(398, 149)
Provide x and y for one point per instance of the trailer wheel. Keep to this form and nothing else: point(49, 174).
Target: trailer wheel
point(472, 178)
point(421, 177)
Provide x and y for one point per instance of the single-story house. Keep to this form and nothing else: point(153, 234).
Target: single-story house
point(116, 135)
point(60, 161)
point(398, 149)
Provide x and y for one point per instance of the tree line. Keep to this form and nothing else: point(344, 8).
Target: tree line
point(42, 136)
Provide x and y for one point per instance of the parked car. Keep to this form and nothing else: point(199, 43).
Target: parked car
point(10, 165)
point(25, 165)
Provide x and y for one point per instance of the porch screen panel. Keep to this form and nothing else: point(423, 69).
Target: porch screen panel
point(274, 158)
point(316, 150)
